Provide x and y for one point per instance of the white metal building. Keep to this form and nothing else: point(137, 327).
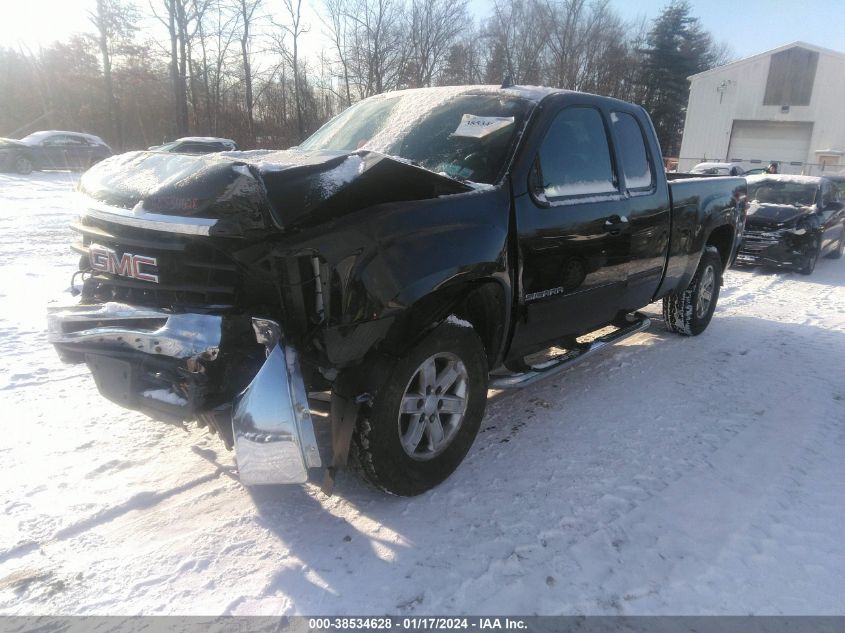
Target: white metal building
point(785, 105)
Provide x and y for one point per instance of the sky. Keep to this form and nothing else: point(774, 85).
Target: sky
point(748, 26)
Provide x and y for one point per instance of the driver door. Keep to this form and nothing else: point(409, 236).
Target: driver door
point(573, 233)
point(54, 151)
point(831, 211)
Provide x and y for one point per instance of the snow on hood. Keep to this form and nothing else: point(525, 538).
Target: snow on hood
point(246, 190)
point(801, 180)
point(10, 142)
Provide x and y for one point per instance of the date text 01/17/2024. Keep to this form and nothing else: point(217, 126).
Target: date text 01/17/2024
point(416, 624)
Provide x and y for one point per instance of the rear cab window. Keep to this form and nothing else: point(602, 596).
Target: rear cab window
point(636, 165)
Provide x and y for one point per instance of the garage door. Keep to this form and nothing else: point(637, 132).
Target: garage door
point(765, 141)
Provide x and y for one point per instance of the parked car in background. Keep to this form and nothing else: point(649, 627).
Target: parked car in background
point(792, 221)
point(717, 169)
point(197, 145)
point(15, 156)
point(56, 149)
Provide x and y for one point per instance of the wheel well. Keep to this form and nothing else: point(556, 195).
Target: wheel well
point(722, 238)
point(485, 308)
point(482, 303)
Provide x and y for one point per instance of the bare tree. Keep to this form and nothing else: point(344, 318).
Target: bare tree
point(434, 27)
point(248, 10)
point(517, 33)
point(339, 24)
point(213, 73)
point(115, 26)
point(464, 60)
point(215, 33)
point(376, 48)
point(174, 20)
point(295, 29)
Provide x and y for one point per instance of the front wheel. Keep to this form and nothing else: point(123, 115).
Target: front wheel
point(689, 312)
point(23, 165)
point(840, 246)
point(812, 256)
point(425, 416)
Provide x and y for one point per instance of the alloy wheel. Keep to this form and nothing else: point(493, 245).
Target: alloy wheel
point(433, 406)
point(705, 292)
point(23, 165)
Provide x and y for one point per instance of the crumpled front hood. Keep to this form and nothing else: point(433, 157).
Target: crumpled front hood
point(259, 190)
point(771, 216)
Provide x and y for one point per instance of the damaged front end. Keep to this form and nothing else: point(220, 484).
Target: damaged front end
point(192, 366)
point(781, 236)
point(222, 289)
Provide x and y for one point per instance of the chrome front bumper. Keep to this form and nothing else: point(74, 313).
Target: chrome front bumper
point(272, 430)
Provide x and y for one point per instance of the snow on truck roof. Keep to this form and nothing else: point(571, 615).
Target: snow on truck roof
point(532, 93)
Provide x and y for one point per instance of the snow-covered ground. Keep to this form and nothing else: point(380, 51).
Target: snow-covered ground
point(669, 475)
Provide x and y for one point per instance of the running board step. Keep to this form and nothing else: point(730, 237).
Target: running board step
point(559, 363)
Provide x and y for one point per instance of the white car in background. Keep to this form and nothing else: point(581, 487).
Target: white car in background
point(197, 145)
point(718, 169)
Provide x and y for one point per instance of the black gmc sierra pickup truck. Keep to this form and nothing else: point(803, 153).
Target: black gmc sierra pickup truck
point(421, 247)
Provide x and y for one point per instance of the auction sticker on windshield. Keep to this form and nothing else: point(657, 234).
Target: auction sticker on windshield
point(472, 126)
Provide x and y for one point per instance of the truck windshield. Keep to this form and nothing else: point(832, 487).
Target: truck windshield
point(466, 136)
point(771, 191)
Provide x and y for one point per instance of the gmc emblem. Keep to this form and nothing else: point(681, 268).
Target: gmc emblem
point(105, 259)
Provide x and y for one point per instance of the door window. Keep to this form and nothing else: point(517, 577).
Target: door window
point(575, 155)
point(75, 141)
point(632, 150)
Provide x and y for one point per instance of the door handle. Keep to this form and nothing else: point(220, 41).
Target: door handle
point(615, 224)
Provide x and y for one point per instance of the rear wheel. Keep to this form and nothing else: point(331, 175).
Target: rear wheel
point(23, 165)
point(426, 415)
point(689, 312)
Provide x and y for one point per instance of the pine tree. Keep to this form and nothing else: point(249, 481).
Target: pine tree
point(677, 47)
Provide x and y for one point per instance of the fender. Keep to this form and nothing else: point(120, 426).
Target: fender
point(395, 264)
point(697, 211)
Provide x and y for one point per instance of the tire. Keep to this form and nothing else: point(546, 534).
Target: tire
point(386, 450)
point(813, 257)
point(840, 247)
point(689, 312)
point(23, 165)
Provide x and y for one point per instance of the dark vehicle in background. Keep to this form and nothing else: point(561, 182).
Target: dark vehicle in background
point(792, 221)
point(56, 149)
point(197, 145)
point(15, 156)
point(421, 247)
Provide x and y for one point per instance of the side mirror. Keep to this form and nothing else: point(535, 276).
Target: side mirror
point(535, 179)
